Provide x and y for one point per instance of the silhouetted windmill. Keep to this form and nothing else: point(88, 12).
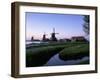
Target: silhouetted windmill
point(32, 38)
point(44, 37)
point(53, 37)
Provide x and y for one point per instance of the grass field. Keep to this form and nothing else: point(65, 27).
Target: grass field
point(40, 54)
point(74, 52)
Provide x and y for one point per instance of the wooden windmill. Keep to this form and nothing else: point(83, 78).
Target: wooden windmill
point(44, 37)
point(32, 38)
point(53, 37)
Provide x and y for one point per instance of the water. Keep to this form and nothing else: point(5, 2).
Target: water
point(30, 42)
point(55, 60)
point(37, 42)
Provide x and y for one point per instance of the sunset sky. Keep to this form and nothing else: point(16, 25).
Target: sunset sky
point(66, 25)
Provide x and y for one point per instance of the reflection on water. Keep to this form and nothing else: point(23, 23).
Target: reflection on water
point(55, 60)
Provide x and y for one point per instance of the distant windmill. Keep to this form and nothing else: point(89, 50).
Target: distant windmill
point(44, 37)
point(53, 37)
point(32, 38)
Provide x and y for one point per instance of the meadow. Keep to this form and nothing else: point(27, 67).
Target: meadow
point(38, 55)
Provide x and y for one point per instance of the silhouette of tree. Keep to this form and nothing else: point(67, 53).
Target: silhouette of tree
point(86, 25)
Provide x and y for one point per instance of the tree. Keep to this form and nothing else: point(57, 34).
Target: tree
point(86, 25)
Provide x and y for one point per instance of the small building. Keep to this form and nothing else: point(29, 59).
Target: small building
point(68, 40)
point(65, 40)
point(78, 38)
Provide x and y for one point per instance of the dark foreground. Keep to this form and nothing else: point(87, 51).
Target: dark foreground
point(39, 55)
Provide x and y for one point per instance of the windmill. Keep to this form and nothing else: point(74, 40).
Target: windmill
point(32, 38)
point(44, 37)
point(53, 37)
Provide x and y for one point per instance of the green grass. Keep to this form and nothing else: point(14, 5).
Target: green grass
point(84, 62)
point(35, 45)
point(75, 52)
point(39, 56)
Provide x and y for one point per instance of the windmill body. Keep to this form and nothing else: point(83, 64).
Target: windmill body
point(44, 37)
point(53, 37)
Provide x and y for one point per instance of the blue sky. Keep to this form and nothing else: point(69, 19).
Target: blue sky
point(67, 25)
